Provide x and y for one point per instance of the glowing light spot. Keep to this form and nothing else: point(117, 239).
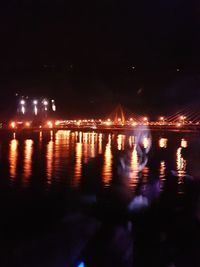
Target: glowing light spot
point(145, 119)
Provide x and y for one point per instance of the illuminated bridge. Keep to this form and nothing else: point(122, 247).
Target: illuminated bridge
point(119, 118)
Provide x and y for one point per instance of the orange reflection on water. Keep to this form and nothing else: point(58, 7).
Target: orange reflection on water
point(62, 152)
point(107, 167)
point(85, 137)
point(28, 150)
point(163, 142)
point(80, 137)
point(62, 134)
point(131, 141)
point(180, 163)
point(49, 157)
point(184, 143)
point(85, 147)
point(40, 136)
point(133, 168)
point(120, 141)
point(181, 168)
point(13, 155)
point(162, 173)
point(92, 145)
point(146, 142)
point(145, 173)
point(78, 165)
point(100, 144)
point(51, 135)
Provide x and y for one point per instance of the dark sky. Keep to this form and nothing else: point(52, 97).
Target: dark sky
point(91, 55)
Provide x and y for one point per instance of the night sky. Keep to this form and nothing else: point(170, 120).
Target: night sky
point(91, 55)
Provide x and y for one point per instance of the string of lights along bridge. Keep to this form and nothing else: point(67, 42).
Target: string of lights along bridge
point(41, 113)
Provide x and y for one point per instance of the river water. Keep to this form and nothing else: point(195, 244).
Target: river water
point(43, 174)
point(88, 160)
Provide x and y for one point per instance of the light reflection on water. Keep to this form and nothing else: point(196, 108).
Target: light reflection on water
point(78, 165)
point(28, 150)
point(162, 174)
point(133, 178)
point(107, 166)
point(120, 141)
point(50, 156)
point(163, 142)
point(67, 154)
point(184, 143)
point(62, 153)
point(100, 149)
point(13, 155)
point(181, 168)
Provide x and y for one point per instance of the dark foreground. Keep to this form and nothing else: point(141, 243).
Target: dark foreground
point(101, 231)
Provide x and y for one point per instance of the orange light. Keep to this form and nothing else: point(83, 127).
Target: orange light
point(27, 124)
point(145, 119)
point(182, 117)
point(13, 124)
